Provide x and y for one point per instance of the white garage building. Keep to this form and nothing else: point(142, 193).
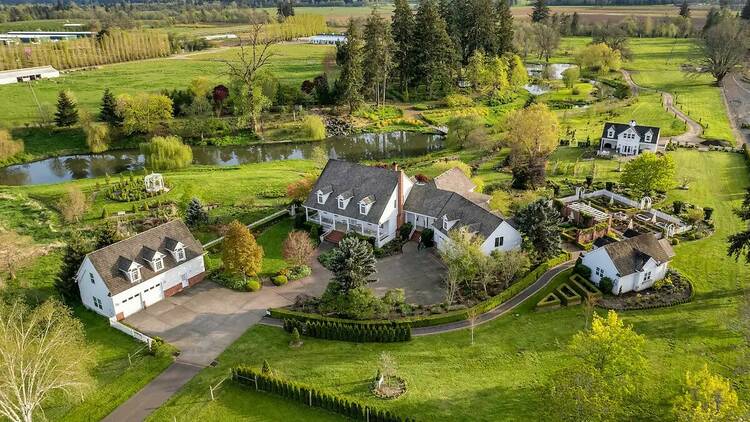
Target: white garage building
point(125, 277)
point(28, 74)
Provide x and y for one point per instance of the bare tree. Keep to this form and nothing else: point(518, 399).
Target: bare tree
point(42, 352)
point(723, 48)
point(547, 39)
point(452, 282)
point(73, 204)
point(255, 53)
point(472, 316)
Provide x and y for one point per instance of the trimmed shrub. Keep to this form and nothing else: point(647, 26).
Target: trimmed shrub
point(351, 331)
point(428, 238)
point(458, 100)
point(310, 396)
point(583, 271)
point(405, 230)
point(253, 285)
point(296, 273)
point(312, 127)
point(606, 285)
point(279, 280)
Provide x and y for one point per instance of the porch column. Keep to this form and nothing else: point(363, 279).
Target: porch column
point(378, 233)
point(307, 214)
point(320, 217)
point(347, 225)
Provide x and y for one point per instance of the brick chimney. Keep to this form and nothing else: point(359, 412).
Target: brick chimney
point(400, 217)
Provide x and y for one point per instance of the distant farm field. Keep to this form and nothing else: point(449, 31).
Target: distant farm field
point(291, 63)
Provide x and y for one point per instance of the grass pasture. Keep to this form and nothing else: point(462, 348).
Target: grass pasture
point(291, 64)
point(514, 355)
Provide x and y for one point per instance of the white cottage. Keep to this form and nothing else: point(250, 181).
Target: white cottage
point(121, 279)
point(376, 201)
point(629, 139)
point(633, 264)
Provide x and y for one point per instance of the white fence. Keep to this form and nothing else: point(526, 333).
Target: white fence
point(131, 332)
point(251, 225)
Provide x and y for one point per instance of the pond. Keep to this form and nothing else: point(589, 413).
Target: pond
point(553, 70)
point(365, 146)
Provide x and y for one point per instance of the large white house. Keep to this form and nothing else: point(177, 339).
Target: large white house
point(633, 264)
point(121, 279)
point(629, 139)
point(376, 201)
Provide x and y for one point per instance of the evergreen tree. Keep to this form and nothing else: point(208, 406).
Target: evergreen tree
point(480, 28)
point(436, 56)
point(351, 263)
point(67, 111)
point(108, 111)
point(504, 28)
point(349, 55)
point(65, 282)
point(106, 234)
point(402, 28)
point(195, 215)
point(378, 58)
point(541, 11)
point(685, 9)
point(540, 225)
point(745, 14)
point(574, 21)
point(284, 9)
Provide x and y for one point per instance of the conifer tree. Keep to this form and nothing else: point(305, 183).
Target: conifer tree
point(402, 28)
point(65, 282)
point(378, 56)
point(480, 28)
point(541, 11)
point(67, 111)
point(195, 215)
point(504, 28)
point(685, 9)
point(745, 14)
point(108, 111)
point(540, 225)
point(350, 57)
point(436, 56)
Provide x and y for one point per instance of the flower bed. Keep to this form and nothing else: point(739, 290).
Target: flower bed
point(550, 302)
point(672, 290)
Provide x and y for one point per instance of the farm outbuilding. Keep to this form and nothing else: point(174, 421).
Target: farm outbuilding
point(28, 74)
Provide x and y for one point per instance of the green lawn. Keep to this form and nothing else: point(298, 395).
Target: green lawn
point(514, 355)
point(271, 239)
point(291, 63)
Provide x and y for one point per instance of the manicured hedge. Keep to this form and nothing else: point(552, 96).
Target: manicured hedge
point(312, 397)
point(438, 319)
point(359, 333)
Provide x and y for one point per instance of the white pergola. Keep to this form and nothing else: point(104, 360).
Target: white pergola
point(581, 207)
point(154, 182)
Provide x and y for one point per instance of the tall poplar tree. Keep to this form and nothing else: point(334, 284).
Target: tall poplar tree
point(378, 60)
point(402, 29)
point(350, 57)
point(540, 12)
point(436, 55)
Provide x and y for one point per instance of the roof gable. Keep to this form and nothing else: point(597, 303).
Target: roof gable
point(630, 255)
point(640, 130)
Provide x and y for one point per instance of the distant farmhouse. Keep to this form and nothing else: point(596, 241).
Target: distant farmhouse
point(629, 139)
point(28, 74)
point(326, 39)
point(632, 264)
point(121, 279)
point(376, 201)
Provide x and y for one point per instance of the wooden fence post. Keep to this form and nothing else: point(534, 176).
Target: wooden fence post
point(256, 383)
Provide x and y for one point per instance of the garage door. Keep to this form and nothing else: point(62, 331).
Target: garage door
point(131, 305)
point(153, 295)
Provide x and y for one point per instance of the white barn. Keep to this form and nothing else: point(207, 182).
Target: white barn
point(121, 279)
point(629, 139)
point(633, 264)
point(28, 74)
point(376, 201)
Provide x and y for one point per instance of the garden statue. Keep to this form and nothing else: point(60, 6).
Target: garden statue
point(645, 203)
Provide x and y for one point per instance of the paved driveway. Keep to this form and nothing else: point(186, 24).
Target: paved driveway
point(419, 273)
point(205, 319)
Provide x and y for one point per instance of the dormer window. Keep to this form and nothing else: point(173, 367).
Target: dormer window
point(611, 133)
point(323, 193)
point(179, 254)
point(134, 275)
point(157, 264)
point(176, 249)
point(154, 258)
point(131, 269)
point(648, 137)
point(342, 203)
point(445, 223)
point(321, 198)
point(365, 204)
point(363, 209)
point(343, 200)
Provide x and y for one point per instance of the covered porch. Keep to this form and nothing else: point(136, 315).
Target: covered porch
point(334, 222)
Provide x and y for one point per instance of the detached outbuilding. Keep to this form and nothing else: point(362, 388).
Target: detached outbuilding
point(121, 279)
point(28, 74)
point(632, 264)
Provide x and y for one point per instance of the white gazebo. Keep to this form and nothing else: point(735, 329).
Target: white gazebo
point(154, 182)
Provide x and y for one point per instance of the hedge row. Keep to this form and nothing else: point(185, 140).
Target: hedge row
point(312, 397)
point(359, 333)
point(438, 319)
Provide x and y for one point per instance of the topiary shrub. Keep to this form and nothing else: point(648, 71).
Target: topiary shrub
point(606, 284)
point(405, 230)
point(296, 273)
point(583, 271)
point(427, 238)
point(253, 285)
point(279, 280)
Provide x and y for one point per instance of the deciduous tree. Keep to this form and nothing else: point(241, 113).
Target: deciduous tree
point(166, 153)
point(546, 38)
point(143, 112)
point(466, 131)
point(9, 146)
point(241, 254)
point(706, 398)
point(300, 189)
point(73, 204)
point(532, 134)
point(599, 58)
point(570, 76)
point(298, 248)
point(649, 172)
point(43, 353)
point(723, 48)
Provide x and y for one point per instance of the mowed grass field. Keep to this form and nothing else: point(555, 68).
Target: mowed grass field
point(291, 64)
point(514, 356)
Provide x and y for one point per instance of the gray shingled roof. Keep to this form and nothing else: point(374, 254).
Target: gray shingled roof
point(361, 181)
point(630, 255)
point(108, 260)
point(640, 130)
point(454, 180)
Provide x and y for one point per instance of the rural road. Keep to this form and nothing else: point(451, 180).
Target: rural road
point(736, 93)
point(694, 129)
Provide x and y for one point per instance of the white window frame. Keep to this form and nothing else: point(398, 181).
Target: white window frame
point(321, 198)
point(611, 133)
point(158, 264)
point(91, 277)
point(445, 223)
point(599, 272)
point(499, 241)
point(98, 303)
point(647, 276)
point(363, 209)
point(179, 255)
point(134, 275)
